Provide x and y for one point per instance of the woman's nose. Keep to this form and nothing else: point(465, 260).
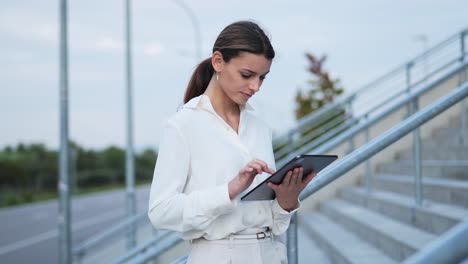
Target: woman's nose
point(255, 85)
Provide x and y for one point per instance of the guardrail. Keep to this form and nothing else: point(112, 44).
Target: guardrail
point(451, 247)
point(94, 242)
point(358, 156)
point(404, 74)
point(369, 98)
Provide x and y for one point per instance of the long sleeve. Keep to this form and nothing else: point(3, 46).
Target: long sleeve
point(170, 208)
point(281, 217)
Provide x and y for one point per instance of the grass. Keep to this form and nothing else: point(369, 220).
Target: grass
point(11, 198)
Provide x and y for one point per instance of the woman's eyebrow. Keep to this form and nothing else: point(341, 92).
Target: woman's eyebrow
point(255, 72)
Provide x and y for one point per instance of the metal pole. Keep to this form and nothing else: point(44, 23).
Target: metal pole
point(462, 79)
point(368, 168)
point(462, 45)
point(196, 27)
point(64, 218)
point(292, 240)
point(291, 143)
point(352, 144)
point(292, 230)
point(417, 159)
point(408, 84)
point(129, 163)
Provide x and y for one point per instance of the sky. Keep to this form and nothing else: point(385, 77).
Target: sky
point(362, 40)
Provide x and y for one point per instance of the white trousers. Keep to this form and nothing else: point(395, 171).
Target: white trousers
point(237, 251)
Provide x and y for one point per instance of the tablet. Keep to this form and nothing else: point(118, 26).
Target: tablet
point(310, 163)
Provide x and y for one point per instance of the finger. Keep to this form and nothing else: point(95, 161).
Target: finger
point(257, 167)
point(271, 171)
point(295, 175)
point(309, 177)
point(246, 170)
point(262, 164)
point(300, 174)
point(287, 179)
point(272, 186)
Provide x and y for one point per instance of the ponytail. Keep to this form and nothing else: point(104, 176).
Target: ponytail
point(200, 80)
point(241, 36)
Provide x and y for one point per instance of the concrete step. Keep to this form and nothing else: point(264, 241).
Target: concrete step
point(453, 169)
point(340, 245)
point(396, 239)
point(454, 192)
point(308, 250)
point(432, 217)
point(436, 151)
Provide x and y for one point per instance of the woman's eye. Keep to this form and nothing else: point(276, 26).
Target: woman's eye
point(262, 78)
point(245, 76)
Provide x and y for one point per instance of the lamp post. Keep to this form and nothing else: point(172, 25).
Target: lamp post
point(129, 161)
point(64, 216)
point(196, 27)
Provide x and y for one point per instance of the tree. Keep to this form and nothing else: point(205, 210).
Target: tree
point(324, 89)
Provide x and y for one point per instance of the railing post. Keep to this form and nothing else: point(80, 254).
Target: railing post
point(349, 113)
point(417, 158)
point(291, 142)
point(368, 168)
point(292, 230)
point(292, 240)
point(462, 79)
point(409, 65)
point(462, 45)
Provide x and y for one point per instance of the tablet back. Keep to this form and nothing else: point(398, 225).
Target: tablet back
point(310, 163)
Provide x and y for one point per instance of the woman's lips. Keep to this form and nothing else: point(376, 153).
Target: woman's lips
point(246, 95)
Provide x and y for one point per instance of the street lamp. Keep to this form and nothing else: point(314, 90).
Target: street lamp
point(129, 162)
point(196, 27)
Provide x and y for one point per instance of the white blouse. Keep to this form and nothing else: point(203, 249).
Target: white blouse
point(198, 155)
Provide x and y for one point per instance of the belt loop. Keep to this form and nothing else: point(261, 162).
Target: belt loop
point(271, 234)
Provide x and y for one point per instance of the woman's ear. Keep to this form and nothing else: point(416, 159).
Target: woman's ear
point(217, 61)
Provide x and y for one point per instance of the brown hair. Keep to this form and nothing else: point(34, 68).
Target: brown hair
point(241, 36)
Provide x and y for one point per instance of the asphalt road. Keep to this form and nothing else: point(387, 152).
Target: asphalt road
point(29, 233)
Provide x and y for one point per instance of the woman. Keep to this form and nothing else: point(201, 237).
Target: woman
point(214, 150)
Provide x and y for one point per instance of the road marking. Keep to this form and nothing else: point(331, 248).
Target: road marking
point(54, 232)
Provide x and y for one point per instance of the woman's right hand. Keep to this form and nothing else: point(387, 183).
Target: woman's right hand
point(246, 176)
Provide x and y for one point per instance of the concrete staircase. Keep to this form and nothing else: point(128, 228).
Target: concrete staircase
point(385, 225)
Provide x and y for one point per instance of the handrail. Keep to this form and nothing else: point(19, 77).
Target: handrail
point(451, 247)
point(281, 154)
point(157, 250)
point(350, 161)
point(162, 235)
point(347, 98)
point(91, 243)
point(324, 148)
point(340, 102)
point(353, 159)
point(366, 151)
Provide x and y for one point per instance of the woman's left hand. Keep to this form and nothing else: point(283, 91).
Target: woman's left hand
point(287, 192)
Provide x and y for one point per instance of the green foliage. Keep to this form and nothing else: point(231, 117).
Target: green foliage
point(323, 89)
point(30, 172)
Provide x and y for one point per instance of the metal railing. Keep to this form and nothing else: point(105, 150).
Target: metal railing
point(451, 247)
point(161, 236)
point(360, 155)
point(369, 100)
point(95, 241)
point(444, 58)
point(341, 166)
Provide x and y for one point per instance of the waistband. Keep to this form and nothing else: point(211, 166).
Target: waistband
point(257, 237)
